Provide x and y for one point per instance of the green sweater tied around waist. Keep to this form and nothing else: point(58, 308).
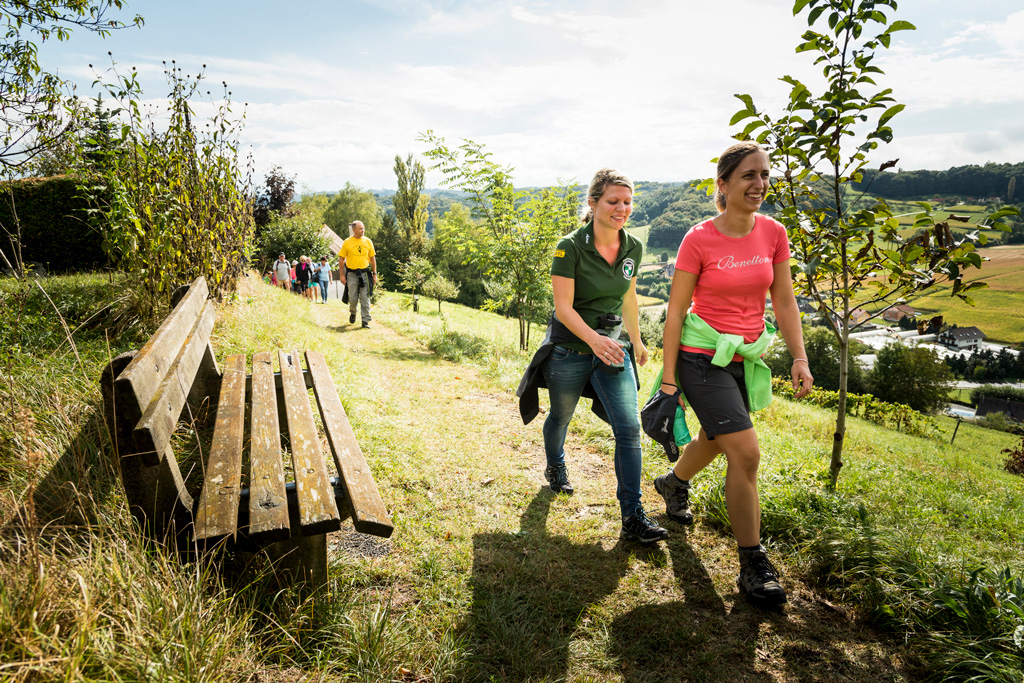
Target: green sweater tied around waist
point(756, 375)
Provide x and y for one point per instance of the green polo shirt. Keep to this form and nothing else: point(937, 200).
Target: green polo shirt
point(600, 286)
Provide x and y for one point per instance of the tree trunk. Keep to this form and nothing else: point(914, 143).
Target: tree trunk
point(522, 334)
point(840, 433)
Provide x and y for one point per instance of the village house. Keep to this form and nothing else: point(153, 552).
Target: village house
point(960, 338)
point(898, 313)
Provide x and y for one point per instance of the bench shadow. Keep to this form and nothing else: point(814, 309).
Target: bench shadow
point(530, 589)
point(71, 493)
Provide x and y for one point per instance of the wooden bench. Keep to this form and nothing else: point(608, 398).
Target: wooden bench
point(174, 377)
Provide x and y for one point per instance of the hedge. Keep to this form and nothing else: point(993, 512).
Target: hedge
point(54, 231)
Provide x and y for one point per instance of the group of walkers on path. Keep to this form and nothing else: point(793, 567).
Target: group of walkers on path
point(302, 277)
point(358, 264)
point(715, 333)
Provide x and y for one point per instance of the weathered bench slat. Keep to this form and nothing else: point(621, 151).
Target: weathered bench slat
point(369, 516)
point(268, 504)
point(217, 513)
point(158, 421)
point(317, 510)
point(147, 370)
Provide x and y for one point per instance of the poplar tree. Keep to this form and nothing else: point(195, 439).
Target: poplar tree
point(410, 204)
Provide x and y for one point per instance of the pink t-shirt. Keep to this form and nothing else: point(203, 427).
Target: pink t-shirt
point(733, 274)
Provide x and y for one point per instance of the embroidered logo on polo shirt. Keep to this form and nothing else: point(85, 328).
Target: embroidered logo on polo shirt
point(559, 253)
point(627, 268)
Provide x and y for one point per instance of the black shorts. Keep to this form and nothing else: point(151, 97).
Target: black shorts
point(717, 395)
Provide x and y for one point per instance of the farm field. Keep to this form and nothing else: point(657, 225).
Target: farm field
point(998, 309)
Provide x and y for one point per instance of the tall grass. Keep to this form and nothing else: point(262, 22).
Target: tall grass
point(487, 577)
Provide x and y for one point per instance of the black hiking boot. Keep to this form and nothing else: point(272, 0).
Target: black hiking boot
point(677, 497)
point(759, 579)
point(639, 527)
point(558, 479)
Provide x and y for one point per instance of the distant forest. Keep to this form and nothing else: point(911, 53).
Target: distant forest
point(990, 181)
point(670, 209)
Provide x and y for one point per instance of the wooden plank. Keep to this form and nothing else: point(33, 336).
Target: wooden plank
point(369, 516)
point(268, 505)
point(317, 511)
point(143, 376)
point(216, 514)
point(160, 416)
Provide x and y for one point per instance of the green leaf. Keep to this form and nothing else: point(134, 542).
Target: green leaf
point(901, 26)
point(799, 5)
point(740, 115)
point(889, 113)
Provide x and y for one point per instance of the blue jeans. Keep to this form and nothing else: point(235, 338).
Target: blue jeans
point(566, 373)
point(323, 290)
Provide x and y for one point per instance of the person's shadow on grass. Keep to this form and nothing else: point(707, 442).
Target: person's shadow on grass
point(530, 590)
point(693, 639)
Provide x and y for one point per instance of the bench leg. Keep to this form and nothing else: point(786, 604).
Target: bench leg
point(301, 560)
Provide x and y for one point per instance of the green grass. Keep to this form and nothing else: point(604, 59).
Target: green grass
point(488, 577)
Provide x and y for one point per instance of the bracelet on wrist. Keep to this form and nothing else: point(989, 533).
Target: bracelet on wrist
point(670, 384)
point(800, 360)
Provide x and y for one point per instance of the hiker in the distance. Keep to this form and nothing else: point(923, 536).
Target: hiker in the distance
point(283, 272)
point(715, 333)
point(323, 277)
point(584, 353)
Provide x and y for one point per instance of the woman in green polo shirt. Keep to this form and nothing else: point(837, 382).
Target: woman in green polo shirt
point(593, 276)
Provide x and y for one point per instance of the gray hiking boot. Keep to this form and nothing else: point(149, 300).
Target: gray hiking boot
point(639, 527)
point(759, 579)
point(558, 479)
point(677, 497)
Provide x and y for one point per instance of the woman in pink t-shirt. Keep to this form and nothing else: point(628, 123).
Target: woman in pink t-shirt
point(724, 269)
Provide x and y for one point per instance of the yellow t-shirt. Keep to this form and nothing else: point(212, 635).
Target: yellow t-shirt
point(357, 252)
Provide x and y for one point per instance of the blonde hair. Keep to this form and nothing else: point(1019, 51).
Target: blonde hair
point(728, 162)
point(602, 179)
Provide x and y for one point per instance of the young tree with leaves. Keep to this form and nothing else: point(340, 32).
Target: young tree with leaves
point(848, 248)
point(414, 273)
point(915, 377)
point(353, 204)
point(31, 97)
point(441, 288)
point(275, 197)
point(522, 228)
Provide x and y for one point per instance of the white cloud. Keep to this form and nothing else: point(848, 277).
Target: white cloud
point(558, 89)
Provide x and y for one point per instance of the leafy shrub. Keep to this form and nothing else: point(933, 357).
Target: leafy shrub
point(996, 421)
point(652, 328)
point(892, 415)
point(454, 345)
point(294, 236)
point(176, 204)
point(54, 226)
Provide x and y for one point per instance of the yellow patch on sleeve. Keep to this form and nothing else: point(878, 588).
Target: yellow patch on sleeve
point(559, 253)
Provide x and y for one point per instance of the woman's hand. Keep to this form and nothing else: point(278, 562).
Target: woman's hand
point(641, 354)
point(606, 350)
point(803, 381)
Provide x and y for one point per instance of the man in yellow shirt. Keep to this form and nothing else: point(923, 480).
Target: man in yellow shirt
point(358, 263)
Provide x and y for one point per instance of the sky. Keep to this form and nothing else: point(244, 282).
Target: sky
point(332, 90)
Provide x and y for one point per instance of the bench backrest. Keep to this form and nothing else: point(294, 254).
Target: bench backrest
point(158, 381)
